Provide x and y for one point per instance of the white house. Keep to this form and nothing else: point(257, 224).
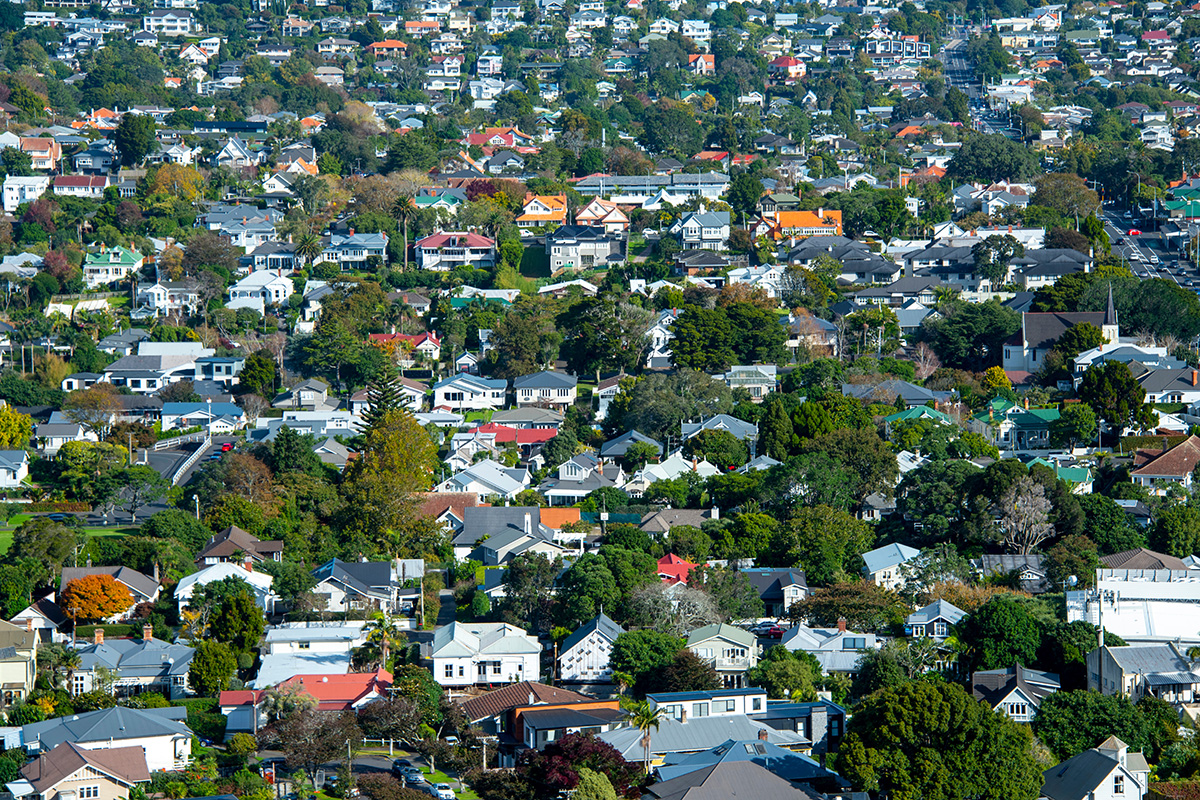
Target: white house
point(270, 287)
point(137, 665)
point(168, 22)
point(259, 583)
point(1106, 772)
point(470, 654)
point(161, 732)
point(882, 565)
point(1016, 692)
point(729, 649)
point(18, 190)
point(14, 468)
point(465, 392)
point(584, 655)
point(545, 389)
point(488, 478)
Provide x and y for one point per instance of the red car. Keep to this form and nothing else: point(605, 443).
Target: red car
point(225, 448)
point(1134, 232)
point(767, 630)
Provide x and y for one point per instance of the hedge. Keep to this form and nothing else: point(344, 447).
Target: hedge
point(70, 506)
point(1131, 443)
point(110, 631)
point(204, 717)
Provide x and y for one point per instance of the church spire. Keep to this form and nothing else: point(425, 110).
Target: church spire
point(1110, 313)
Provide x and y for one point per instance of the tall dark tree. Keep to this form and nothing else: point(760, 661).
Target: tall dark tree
point(133, 138)
point(383, 395)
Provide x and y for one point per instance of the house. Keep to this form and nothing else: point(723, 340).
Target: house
point(838, 650)
point(483, 653)
point(545, 389)
point(44, 152)
point(213, 417)
point(1029, 569)
point(18, 667)
point(576, 247)
point(798, 771)
point(259, 583)
point(110, 264)
point(891, 390)
point(45, 618)
point(355, 251)
point(234, 545)
point(882, 566)
point(142, 588)
point(161, 733)
point(584, 655)
point(1160, 669)
point(347, 585)
point(14, 468)
point(487, 478)
point(424, 345)
point(69, 771)
point(235, 154)
point(778, 588)
point(495, 535)
point(89, 186)
point(270, 287)
point(348, 692)
point(618, 446)
point(446, 251)
point(601, 213)
point(693, 732)
point(51, 436)
point(543, 210)
point(759, 380)
point(730, 650)
point(723, 778)
point(135, 665)
point(1016, 691)
point(168, 298)
point(18, 190)
point(672, 569)
point(168, 22)
point(702, 230)
point(311, 395)
point(1168, 468)
point(465, 392)
point(579, 476)
point(934, 621)
point(1108, 771)
point(746, 431)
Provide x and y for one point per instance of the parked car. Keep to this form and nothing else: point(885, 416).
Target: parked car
point(444, 791)
point(399, 765)
point(225, 448)
point(768, 630)
point(416, 781)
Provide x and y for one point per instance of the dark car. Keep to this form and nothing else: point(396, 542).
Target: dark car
point(767, 630)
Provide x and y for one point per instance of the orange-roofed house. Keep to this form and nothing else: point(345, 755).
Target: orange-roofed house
point(312, 124)
point(388, 47)
point(715, 156)
point(543, 209)
point(605, 214)
point(172, 83)
point(702, 63)
point(421, 27)
point(301, 167)
point(822, 222)
point(909, 130)
point(343, 692)
point(672, 569)
point(558, 517)
point(931, 174)
point(45, 153)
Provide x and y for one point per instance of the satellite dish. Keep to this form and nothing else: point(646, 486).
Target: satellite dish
point(1072, 581)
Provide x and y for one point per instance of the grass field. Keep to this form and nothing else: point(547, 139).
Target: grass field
point(6, 533)
point(534, 263)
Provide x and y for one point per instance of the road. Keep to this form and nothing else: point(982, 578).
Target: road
point(961, 75)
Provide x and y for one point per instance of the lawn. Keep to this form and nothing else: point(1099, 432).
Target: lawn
point(534, 263)
point(6, 535)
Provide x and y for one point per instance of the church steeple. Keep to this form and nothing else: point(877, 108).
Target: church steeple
point(1110, 327)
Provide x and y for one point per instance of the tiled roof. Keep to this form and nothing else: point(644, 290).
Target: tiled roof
point(525, 693)
point(125, 764)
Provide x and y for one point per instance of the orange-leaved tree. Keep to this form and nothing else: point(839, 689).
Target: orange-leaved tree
point(94, 597)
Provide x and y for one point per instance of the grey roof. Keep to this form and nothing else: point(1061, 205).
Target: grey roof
point(115, 724)
point(1078, 777)
point(570, 718)
point(1004, 563)
point(938, 609)
point(775, 759)
point(1148, 659)
point(528, 415)
point(739, 428)
point(769, 583)
point(993, 685)
point(720, 629)
point(137, 658)
point(607, 628)
point(619, 446)
point(545, 380)
point(890, 555)
point(725, 780)
point(698, 733)
point(497, 521)
point(143, 584)
point(1042, 330)
point(910, 392)
point(367, 578)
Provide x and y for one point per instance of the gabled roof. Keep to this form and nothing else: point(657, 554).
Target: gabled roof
point(143, 584)
point(525, 693)
point(775, 759)
point(1179, 461)
point(1079, 777)
point(341, 692)
point(723, 631)
point(992, 686)
point(234, 539)
point(1142, 558)
point(890, 555)
point(108, 724)
point(601, 622)
point(938, 609)
point(125, 765)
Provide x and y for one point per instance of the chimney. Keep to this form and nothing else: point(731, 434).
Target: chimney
point(248, 563)
point(1164, 444)
point(528, 524)
point(1194, 376)
point(841, 624)
point(683, 716)
point(147, 632)
point(1026, 403)
point(716, 513)
point(352, 231)
point(156, 580)
point(29, 624)
point(762, 734)
point(99, 638)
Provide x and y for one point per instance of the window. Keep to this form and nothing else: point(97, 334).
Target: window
point(88, 792)
point(1118, 785)
point(726, 706)
point(940, 629)
point(303, 645)
point(854, 643)
point(495, 667)
point(449, 670)
point(699, 709)
point(758, 704)
point(461, 671)
point(79, 684)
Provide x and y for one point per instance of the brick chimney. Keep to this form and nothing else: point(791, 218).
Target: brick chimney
point(762, 734)
point(147, 632)
point(248, 563)
point(99, 638)
point(841, 624)
point(29, 624)
point(683, 716)
point(1194, 376)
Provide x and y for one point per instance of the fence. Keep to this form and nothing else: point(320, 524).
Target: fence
point(189, 461)
point(175, 441)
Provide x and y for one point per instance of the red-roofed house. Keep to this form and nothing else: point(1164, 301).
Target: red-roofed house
point(426, 344)
point(343, 692)
point(786, 69)
point(1156, 38)
point(511, 138)
point(702, 63)
point(90, 186)
point(672, 569)
point(445, 251)
point(388, 48)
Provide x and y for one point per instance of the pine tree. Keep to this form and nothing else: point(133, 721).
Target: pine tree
point(383, 395)
point(776, 436)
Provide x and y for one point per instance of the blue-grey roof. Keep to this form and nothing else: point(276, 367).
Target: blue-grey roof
point(938, 609)
point(698, 733)
point(137, 658)
point(481, 384)
point(607, 628)
point(116, 724)
point(663, 698)
point(720, 422)
point(784, 763)
point(545, 380)
point(890, 555)
point(619, 446)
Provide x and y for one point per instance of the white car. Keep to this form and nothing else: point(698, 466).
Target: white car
point(444, 792)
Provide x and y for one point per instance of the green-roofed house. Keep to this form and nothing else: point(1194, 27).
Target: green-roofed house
point(1014, 427)
point(109, 264)
point(1188, 208)
point(1079, 477)
point(914, 414)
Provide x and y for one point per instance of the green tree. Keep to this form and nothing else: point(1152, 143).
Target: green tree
point(999, 634)
point(644, 717)
point(1076, 424)
point(213, 667)
point(744, 192)
point(593, 786)
point(786, 674)
point(142, 485)
point(827, 543)
point(924, 740)
point(644, 653)
point(585, 588)
point(1176, 530)
point(527, 585)
point(703, 339)
point(1070, 722)
point(42, 546)
point(1073, 555)
point(178, 525)
point(991, 257)
point(259, 374)
point(1111, 390)
point(133, 138)
point(292, 451)
point(776, 436)
point(970, 335)
point(988, 158)
point(687, 672)
point(236, 620)
point(720, 448)
point(15, 590)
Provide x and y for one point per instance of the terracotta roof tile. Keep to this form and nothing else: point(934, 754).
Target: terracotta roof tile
point(525, 693)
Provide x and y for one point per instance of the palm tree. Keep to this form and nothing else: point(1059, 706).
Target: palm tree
point(643, 716)
point(309, 247)
point(405, 209)
point(383, 631)
point(69, 661)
